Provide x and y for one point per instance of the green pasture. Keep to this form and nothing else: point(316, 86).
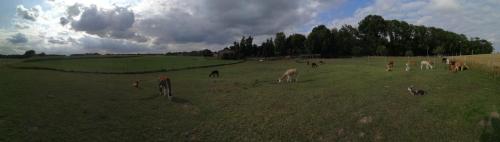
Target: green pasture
point(351, 99)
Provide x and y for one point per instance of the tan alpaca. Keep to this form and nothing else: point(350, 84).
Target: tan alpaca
point(427, 64)
point(291, 75)
point(407, 66)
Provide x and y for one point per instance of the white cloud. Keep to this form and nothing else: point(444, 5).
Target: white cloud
point(29, 14)
point(158, 25)
point(445, 5)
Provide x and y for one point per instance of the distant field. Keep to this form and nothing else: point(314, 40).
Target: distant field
point(485, 59)
point(342, 100)
point(8, 61)
point(486, 62)
point(130, 64)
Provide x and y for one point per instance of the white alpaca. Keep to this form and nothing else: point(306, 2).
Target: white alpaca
point(407, 67)
point(427, 64)
point(291, 75)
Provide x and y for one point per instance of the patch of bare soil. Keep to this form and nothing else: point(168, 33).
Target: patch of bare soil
point(365, 120)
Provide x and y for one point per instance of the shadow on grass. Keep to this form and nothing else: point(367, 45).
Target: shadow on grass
point(180, 100)
point(174, 99)
point(305, 81)
point(491, 131)
point(150, 97)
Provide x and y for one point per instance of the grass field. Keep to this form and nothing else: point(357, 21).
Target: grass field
point(131, 64)
point(342, 100)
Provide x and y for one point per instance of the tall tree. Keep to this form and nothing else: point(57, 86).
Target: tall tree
point(296, 43)
point(29, 53)
point(280, 43)
point(318, 40)
point(373, 31)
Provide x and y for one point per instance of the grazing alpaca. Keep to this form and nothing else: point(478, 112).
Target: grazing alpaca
point(214, 73)
point(314, 65)
point(427, 64)
point(407, 66)
point(451, 65)
point(389, 66)
point(308, 63)
point(291, 75)
point(136, 84)
point(165, 87)
point(321, 62)
point(415, 92)
point(459, 66)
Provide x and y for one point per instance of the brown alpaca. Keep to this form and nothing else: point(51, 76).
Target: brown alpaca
point(459, 66)
point(451, 65)
point(412, 63)
point(389, 66)
point(314, 65)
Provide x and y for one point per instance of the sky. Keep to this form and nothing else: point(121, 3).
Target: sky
point(159, 26)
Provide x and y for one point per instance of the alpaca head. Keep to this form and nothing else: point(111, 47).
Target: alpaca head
point(410, 88)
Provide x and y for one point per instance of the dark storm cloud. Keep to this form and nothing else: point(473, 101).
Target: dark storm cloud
point(186, 24)
point(222, 21)
point(74, 10)
point(18, 38)
point(114, 23)
point(63, 21)
point(57, 40)
point(106, 45)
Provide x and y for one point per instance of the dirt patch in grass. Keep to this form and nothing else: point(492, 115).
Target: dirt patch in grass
point(365, 120)
point(494, 115)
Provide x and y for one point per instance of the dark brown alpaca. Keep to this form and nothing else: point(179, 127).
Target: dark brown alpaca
point(214, 73)
point(314, 65)
point(136, 84)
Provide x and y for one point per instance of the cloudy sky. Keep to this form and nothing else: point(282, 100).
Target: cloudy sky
point(158, 26)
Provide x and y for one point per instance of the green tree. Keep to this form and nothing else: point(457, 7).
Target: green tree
point(439, 50)
point(318, 40)
point(409, 53)
point(356, 51)
point(381, 50)
point(280, 44)
point(30, 53)
point(297, 44)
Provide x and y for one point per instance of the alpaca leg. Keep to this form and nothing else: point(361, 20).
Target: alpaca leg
point(162, 91)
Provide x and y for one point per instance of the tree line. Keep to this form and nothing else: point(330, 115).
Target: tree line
point(374, 36)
